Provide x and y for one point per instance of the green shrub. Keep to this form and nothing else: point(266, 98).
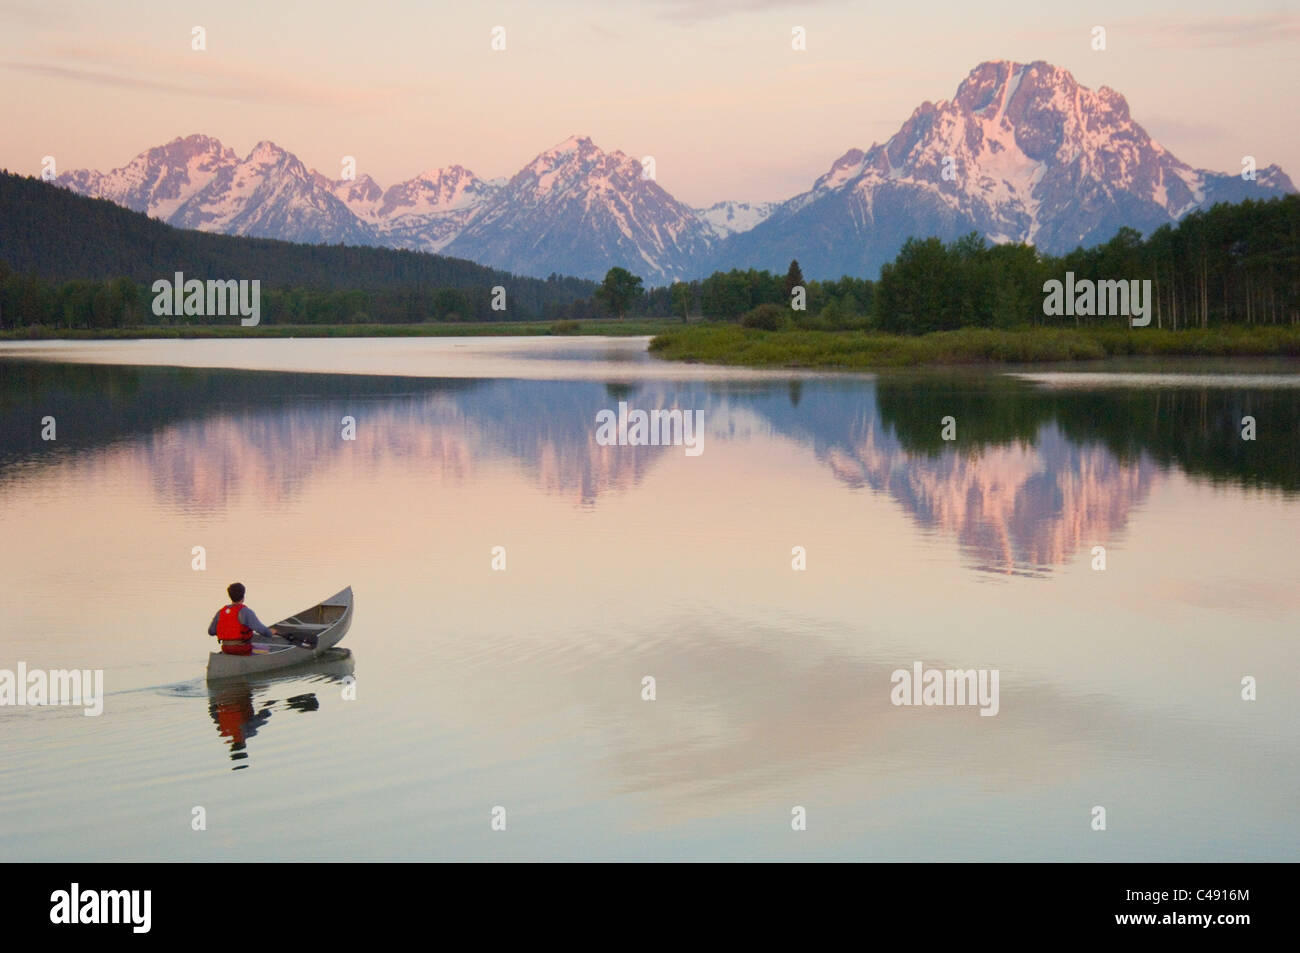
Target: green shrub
point(766, 317)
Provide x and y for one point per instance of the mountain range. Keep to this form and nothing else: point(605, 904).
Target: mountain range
point(1021, 153)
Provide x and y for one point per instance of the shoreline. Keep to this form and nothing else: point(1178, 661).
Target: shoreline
point(729, 344)
point(597, 327)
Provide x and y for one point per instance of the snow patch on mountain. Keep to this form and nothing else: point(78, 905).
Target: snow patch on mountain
point(728, 218)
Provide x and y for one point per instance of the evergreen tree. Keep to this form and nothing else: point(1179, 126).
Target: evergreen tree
point(793, 278)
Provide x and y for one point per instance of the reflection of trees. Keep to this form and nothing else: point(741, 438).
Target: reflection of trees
point(203, 436)
point(1033, 474)
point(97, 405)
point(988, 413)
point(1197, 429)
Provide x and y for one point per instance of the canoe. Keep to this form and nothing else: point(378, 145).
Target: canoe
point(302, 637)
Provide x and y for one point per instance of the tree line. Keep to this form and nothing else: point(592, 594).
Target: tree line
point(1230, 264)
point(27, 300)
point(756, 298)
point(69, 261)
point(69, 252)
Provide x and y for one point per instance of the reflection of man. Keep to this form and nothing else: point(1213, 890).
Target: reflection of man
point(234, 625)
point(232, 710)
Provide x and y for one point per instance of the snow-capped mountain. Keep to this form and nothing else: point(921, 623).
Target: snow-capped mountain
point(431, 210)
point(270, 194)
point(578, 210)
point(1021, 153)
point(422, 214)
point(159, 181)
point(361, 195)
point(727, 218)
point(198, 183)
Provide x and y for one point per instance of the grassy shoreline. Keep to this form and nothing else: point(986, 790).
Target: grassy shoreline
point(631, 327)
point(733, 345)
point(730, 344)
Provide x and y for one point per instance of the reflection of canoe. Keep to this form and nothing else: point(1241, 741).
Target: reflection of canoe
point(303, 637)
point(240, 706)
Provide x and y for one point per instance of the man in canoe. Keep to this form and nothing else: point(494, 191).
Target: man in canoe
point(234, 625)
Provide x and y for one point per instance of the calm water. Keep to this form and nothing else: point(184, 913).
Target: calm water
point(522, 688)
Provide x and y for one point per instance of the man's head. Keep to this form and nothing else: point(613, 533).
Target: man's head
point(236, 591)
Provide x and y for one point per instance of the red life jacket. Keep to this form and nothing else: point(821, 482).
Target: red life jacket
point(229, 628)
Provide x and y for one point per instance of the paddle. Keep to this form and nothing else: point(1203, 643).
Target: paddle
point(294, 638)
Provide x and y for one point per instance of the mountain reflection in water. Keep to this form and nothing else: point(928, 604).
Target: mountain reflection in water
point(1033, 474)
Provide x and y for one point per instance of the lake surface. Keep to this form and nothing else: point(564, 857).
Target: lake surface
point(522, 689)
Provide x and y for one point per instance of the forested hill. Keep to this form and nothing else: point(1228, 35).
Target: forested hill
point(60, 236)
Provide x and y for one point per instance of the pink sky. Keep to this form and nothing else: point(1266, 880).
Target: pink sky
point(710, 88)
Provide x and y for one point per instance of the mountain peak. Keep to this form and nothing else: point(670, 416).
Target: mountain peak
point(1021, 153)
point(842, 169)
point(196, 142)
point(266, 151)
point(574, 142)
point(451, 173)
point(577, 209)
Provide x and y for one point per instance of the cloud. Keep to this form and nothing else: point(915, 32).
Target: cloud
point(96, 77)
point(192, 74)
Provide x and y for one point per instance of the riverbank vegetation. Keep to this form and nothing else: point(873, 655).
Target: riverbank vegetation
point(796, 347)
point(1222, 283)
